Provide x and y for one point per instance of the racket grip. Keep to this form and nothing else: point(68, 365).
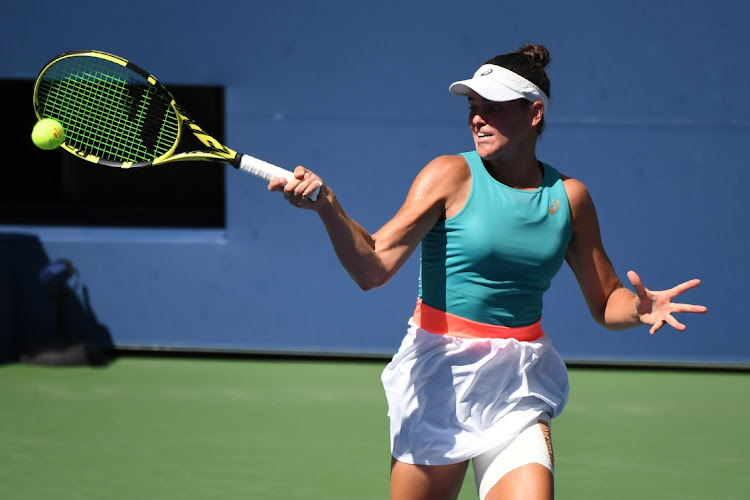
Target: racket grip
point(268, 171)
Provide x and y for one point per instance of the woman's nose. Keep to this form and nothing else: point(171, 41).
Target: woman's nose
point(476, 119)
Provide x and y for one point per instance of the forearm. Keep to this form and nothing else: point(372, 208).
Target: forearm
point(620, 312)
point(354, 246)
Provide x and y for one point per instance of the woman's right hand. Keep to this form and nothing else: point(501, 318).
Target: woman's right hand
point(297, 190)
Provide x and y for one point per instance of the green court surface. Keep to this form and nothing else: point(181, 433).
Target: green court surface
point(175, 428)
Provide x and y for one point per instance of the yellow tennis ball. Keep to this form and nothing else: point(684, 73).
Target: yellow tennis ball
point(48, 133)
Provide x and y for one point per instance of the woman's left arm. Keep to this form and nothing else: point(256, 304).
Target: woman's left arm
point(612, 305)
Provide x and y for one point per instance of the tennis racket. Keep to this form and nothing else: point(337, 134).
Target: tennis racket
point(116, 114)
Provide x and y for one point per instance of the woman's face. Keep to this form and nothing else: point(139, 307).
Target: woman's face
point(500, 129)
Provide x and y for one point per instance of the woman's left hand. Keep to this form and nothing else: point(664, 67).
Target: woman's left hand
point(655, 308)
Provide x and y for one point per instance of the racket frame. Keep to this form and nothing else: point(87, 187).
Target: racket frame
point(214, 151)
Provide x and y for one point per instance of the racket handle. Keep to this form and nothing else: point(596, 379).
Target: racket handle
point(268, 171)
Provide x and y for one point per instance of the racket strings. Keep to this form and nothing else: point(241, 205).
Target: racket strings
point(108, 110)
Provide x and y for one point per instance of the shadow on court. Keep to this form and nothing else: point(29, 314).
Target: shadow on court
point(45, 314)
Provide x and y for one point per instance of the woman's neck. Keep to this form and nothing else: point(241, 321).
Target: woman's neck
point(525, 174)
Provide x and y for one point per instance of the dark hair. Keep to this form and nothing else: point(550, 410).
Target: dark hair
point(529, 61)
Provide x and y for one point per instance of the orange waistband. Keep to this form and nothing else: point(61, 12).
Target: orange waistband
point(443, 323)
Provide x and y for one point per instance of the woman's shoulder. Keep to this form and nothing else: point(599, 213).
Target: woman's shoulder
point(579, 197)
point(446, 170)
point(573, 186)
point(446, 180)
point(449, 165)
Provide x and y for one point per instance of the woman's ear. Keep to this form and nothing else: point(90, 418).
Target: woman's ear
point(537, 112)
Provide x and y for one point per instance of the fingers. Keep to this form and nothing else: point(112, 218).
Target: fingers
point(671, 321)
point(641, 290)
point(299, 189)
point(660, 308)
point(689, 308)
point(277, 184)
point(309, 189)
point(683, 287)
point(655, 328)
point(302, 191)
point(300, 172)
point(635, 280)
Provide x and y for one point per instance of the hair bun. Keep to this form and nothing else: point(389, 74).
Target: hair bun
point(538, 53)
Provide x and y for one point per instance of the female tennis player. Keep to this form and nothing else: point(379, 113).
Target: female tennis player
point(476, 378)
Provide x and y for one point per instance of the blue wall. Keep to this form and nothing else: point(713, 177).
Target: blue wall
point(649, 109)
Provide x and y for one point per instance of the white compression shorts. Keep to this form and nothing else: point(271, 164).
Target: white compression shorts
point(532, 445)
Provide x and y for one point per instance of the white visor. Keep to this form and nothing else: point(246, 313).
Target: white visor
point(499, 84)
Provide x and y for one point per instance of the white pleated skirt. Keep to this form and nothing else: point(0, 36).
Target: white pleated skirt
point(451, 399)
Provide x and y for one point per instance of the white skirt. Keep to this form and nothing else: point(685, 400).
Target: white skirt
point(451, 399)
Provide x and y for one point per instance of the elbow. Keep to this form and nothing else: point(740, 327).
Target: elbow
point(366, 287)
point(598, 311)
point(619, 311)
point(371, 281)
point(617, 327)
point(614, 321)
point(601, 319)
point(612, 327)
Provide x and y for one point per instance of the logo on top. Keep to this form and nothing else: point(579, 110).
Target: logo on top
point(554, 205)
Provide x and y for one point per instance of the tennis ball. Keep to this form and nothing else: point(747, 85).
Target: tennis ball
point(48, 133)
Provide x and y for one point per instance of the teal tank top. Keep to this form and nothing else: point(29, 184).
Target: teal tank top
point(493, 261)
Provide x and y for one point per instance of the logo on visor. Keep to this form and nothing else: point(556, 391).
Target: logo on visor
point(486, 72)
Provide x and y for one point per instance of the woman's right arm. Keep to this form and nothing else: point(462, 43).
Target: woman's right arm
point(372, 259)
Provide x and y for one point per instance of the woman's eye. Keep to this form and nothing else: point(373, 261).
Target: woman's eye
point(490, 109)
